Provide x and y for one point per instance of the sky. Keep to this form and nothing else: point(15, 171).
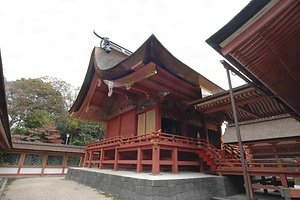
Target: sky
point(55, 37)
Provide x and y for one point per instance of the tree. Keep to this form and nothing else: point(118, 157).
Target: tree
point(36, 119)
point(67, 91)
point(28, 96)
point(83, 132)
point(38, 109)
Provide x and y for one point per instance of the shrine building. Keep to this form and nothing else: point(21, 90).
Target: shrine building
point(140, 96)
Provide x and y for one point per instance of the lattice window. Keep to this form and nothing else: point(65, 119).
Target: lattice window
point(9, 158)
point(33, 159)
point(74, 161)
point(54, 160)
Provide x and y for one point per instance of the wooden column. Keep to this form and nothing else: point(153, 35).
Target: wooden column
point(206, 130)
point(116, 166)
point(158, 118)
point(283, 180)
point(220, 134)
point(44, 164)
point(155, 159)
point(64, 164)
point(139, 167)
point(86, 154)
point(284, 183)
point(250, 188)
point(175, 160)
point(120, 124)
point(101, 158)
point(90, 158)
point(21, 162)
point(274, 148)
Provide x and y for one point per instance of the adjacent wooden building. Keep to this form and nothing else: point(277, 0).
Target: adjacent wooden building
point(5, 139)
point(262, 44)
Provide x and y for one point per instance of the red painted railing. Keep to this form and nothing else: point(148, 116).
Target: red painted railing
point(150, 137)
point(210, 150)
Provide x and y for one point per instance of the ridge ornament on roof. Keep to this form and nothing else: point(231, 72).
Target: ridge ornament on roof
point(107, 45)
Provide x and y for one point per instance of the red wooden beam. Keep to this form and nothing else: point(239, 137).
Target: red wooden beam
point(238, 103)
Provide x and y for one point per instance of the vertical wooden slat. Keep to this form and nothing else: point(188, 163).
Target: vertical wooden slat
point(141, 124)
point(150, 121)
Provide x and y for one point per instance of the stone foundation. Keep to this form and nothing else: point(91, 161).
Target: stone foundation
point(140, 186)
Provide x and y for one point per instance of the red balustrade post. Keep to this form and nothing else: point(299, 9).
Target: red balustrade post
point(101, 158)
point(116, 166)
point(139, 167)
point(175, 160)
point(86, 154)
point(155, 159)
point(90, 158)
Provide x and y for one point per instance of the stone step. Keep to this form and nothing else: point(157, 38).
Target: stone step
point(3, 182)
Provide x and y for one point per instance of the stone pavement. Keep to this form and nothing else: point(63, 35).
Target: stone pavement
point(49, 188)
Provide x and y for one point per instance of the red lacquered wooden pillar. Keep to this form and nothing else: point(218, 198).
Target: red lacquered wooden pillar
point(155, 159)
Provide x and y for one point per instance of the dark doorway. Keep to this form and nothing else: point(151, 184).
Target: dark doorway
point(214, 138)
point(192, 131)
point(170, 126)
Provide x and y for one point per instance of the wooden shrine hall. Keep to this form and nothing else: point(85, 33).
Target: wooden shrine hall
point(142, 97)
point(158, 119)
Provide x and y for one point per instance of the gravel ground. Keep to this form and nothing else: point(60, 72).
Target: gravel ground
point(49, 188)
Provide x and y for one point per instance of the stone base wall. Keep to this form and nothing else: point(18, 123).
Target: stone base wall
point(144, 189)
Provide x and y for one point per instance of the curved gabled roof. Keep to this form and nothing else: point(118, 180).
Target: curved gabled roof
point(151, 50)
point(118, 67)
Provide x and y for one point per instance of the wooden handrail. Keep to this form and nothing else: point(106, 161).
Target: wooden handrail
point(211, 150)
point(261, 164)
point(146, 137)
point(232, 150)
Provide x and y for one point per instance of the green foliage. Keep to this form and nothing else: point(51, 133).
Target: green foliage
point(28, 95)
point(20, 130)
point(83, 132)
point(38, 108)
point(36, 119)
